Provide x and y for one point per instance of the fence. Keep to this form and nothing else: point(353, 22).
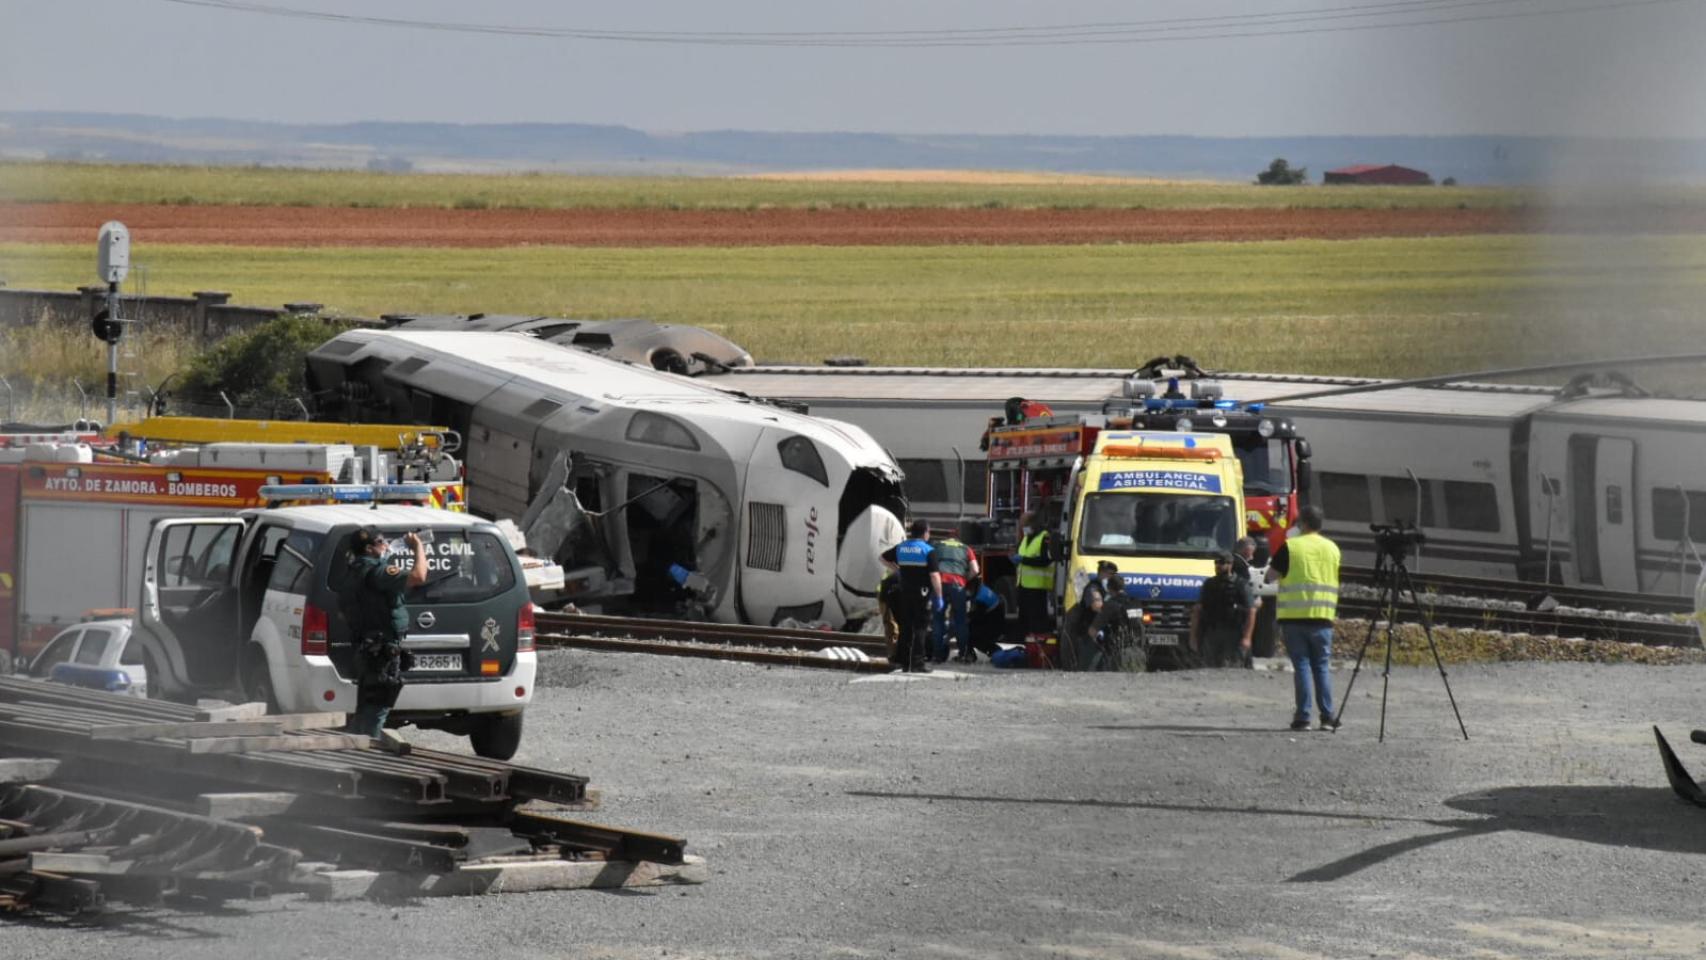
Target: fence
point(207, 314)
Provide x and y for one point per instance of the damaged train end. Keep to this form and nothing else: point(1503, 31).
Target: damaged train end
point(656, 494)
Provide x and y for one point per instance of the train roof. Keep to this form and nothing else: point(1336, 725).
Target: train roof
point(1669, 411)
point(935, 384)
point(1422, 403)
point(990, 387)
point(559, 372)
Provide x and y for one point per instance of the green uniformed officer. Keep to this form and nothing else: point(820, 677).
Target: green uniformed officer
point(378, 621)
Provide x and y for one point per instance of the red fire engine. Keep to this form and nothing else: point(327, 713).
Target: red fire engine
point(75, 514)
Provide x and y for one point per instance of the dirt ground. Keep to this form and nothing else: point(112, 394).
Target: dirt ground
point(1027, 814)
point(339, 226)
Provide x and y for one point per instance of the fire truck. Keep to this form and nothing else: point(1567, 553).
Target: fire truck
point(76, 509)
point(1032, 454)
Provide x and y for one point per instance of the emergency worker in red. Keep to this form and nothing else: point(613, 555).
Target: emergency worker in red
point(957, 564)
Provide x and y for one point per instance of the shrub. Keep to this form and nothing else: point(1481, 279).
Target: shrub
point(1281, 173)
point(260, 367)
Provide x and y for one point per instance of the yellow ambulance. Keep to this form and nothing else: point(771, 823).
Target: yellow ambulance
point(1160, 505)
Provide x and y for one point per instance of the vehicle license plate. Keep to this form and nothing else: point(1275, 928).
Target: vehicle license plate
point(1163, 639)
point(437, 661)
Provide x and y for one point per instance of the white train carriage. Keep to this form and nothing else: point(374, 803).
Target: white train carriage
point(1617, 491)
point(1506, 481)
point(930, 419)
point(1441, 459)
point(654, 492)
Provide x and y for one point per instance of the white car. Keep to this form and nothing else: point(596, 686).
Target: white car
point(97, 655)
point(243, 607)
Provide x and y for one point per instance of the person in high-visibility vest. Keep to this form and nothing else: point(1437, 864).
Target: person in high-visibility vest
point(1307, 569)
point(1036, 575)
point(958, 563)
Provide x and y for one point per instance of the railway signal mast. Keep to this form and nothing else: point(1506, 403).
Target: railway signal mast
point(112, 263)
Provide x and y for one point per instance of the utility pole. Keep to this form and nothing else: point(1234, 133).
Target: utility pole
point(112, 262)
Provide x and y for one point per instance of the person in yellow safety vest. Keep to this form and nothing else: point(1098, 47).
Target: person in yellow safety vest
point(1036, 575)
point(1307, 569)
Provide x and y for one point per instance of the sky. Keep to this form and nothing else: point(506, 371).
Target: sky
point(1631, 68)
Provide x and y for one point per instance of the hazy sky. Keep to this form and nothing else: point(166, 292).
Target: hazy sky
point(1636, 69)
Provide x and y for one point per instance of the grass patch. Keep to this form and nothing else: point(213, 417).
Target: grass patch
point(1410, 648)
point(267, 186)
point(42, 362)
point(1372, 307)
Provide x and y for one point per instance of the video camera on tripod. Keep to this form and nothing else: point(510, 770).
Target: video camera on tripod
point(1393, 542)
point(1396, 540)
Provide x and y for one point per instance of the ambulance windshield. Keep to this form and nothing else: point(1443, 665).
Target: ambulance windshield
point(1131, 524)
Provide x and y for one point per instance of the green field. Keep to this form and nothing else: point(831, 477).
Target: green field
point(1368, 307)
point(93, 183)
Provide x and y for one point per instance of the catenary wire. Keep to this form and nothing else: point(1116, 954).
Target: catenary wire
point(1231, 26)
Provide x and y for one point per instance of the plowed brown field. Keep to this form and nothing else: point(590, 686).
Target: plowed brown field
point(340, 226)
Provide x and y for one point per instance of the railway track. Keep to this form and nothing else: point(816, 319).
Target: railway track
point(1663, 633)
point(1521, 592)
point(780, 646)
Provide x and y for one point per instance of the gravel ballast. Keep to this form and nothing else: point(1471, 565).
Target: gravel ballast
point(1047, 815)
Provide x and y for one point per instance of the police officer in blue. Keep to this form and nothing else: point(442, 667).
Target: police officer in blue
point(919, 594)
point(371, 594)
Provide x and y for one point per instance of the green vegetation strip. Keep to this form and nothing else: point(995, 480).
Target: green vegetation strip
point(91, 183)
point(1373, 307)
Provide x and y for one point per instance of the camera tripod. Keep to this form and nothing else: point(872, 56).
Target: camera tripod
point(1392, 580)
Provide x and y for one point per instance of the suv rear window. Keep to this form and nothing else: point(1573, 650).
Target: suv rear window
point(463, 566)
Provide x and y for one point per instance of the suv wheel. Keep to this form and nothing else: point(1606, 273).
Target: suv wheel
point(496, 737)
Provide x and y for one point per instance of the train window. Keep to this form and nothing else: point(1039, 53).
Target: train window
point(659, 430)
point(800, 455)
point(1398, 501)
point(1346, 497)
point(1471, 506)
point(926, 481)
point(1613, 504)
point(975, 479)
point(1669, 509)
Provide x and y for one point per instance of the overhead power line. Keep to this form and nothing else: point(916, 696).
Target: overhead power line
point(1389, 15)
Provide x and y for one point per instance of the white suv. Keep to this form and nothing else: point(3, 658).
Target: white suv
point(242, 607)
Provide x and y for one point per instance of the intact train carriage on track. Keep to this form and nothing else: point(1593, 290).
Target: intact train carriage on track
point(1602, 488)
point(655, 492)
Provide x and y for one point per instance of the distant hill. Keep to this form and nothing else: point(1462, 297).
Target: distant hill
point(586, 148)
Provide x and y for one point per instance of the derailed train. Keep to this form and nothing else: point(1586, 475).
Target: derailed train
point(655, 492)
point(1584, 485)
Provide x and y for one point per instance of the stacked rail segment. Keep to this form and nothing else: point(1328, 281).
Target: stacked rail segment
point(106, 797)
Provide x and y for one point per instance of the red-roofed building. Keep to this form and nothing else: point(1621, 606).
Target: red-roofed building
point(1383, 173)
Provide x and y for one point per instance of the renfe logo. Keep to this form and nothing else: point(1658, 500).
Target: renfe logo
point(811, 541)
point(1159, 479)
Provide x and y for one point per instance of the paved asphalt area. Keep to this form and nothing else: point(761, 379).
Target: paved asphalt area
point(1043, 815)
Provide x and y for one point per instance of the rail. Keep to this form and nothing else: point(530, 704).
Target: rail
point(1658, 633)
point(1524, 592)
point(689, 631)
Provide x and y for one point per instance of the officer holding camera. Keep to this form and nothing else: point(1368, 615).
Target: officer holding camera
point(372, 599)
point(1307, 569)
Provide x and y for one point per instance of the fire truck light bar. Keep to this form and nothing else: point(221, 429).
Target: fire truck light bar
point(1162, 405)
point(347, 492)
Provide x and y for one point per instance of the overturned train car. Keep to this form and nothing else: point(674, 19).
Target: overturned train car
point(655, 493)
